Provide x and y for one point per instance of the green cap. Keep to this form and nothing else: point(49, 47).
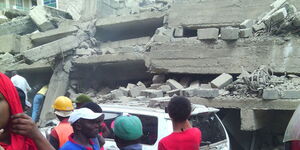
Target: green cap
point(83, 99)
point(128, 127)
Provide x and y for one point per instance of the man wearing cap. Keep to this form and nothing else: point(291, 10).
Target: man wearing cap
point(81, 100)
point(63, 107)
point(128, 131)
point(86, 126)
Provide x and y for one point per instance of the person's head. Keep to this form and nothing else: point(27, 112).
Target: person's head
point(179, 109)
point(81, 100)
point(10, 104)
point(128, 130)
point(86, 122)
point(63, 107)
point(92, 106)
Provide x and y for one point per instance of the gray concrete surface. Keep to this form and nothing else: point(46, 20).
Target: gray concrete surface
point(220, 57)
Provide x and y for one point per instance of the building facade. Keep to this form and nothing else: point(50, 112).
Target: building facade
point(16, 4)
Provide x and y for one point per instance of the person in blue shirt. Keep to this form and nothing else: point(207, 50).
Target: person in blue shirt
point(86, 127)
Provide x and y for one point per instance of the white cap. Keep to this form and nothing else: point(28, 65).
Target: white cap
point(83, 113)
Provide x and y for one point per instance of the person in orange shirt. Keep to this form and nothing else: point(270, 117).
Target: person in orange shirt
point(60, 134)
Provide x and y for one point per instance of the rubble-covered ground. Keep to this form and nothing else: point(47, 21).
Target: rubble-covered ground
point(239, 56)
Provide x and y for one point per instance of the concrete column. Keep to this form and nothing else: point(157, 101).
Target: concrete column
point(252, 120)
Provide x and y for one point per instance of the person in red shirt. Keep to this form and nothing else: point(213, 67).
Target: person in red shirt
point(184, 136)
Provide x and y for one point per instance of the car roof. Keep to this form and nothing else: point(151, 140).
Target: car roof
point(197, 109)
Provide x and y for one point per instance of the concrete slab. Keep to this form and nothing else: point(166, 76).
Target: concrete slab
point(128, 27)
point(42, 16)
point(103, 59)
point(228, 13)
point(53, 48)
point(174, 84)
point(222, 81)
point(52, 35)
point(18, 26)
point(220, 57)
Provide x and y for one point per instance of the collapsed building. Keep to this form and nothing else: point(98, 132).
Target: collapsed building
point(239, 56)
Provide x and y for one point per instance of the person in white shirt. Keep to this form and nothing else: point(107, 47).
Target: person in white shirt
point(21, 83)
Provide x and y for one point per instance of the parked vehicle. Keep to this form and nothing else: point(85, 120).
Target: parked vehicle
point(157, 124)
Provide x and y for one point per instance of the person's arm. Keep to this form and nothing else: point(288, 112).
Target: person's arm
point(23, 125)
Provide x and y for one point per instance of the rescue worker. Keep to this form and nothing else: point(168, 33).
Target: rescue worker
point(81, 100)
point(86, 126)
point(128, 130)
point(18, 132)
point(38, 100)
point(184, 136)
point(63, 107)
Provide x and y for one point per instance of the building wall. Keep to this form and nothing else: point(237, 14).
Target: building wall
point(16, 4)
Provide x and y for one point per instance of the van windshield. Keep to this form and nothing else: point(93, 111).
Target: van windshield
point(210, 126)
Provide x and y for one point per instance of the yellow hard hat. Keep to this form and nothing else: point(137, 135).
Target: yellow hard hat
point(63, 103)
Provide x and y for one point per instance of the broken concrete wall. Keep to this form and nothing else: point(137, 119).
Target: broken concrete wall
point(221, 56)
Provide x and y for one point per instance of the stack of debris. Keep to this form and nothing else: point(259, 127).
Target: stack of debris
point(282, 18)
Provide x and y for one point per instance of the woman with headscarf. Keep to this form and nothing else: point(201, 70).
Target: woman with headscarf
point(18, 130)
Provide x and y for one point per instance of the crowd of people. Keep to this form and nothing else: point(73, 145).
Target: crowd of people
point(82, 127)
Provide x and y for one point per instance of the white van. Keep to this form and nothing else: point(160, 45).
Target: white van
point(157, 124)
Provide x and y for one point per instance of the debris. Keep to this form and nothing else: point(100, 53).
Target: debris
point(221, 81)
point(258, 27)
point(207, 93)
point(178, 32)
point(165, 88)
point(195, 84)
point(245, 33)
point(188, 92)
point(230, 33)
point(290, 94)
point(247, 24)
point(174, 84)
point(44, 16)
point(159, 78)
point(270, 94)
point(175, 92)
point(296, 21)
point(185, 81)
point(208, 34)
point(20, 26)
point(149, 93)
